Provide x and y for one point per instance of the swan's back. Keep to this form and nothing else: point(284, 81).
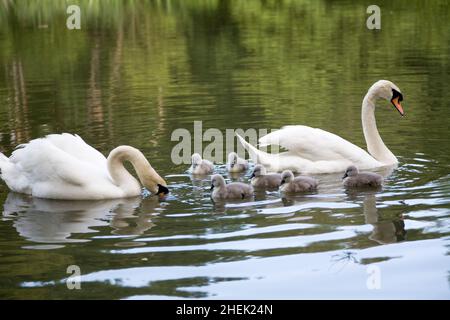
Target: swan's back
point(316, 145)
point(76, 147)
point(55, 166)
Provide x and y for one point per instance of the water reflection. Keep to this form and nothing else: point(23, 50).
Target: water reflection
point(384, 230)
point(58, 221)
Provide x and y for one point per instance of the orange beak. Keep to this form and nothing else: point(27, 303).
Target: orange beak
point(397, 105)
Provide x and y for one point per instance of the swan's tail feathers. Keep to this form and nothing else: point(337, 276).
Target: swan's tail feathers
point(4, 164)
point(257, 156)
point(13, 178)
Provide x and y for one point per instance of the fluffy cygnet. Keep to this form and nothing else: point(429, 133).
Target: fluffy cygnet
point(236, 164)
point(355, 179)
point(200, 166)
point(291, 184)
point(260, 178)
point(234, 190)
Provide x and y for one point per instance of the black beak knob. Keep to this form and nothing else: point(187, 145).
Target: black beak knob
point(162, 190)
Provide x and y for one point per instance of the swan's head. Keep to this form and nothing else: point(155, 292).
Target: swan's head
point(217, 181)
point(155, 183)
point(350, 172)
point(258, 171)
point(151, 180)
point(196, 159)
point(286, 176)
point(232, 159)
point(385, 89)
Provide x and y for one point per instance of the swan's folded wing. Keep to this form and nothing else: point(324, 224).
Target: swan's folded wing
point(314, 144)
point(40, 161)
point(75, 146)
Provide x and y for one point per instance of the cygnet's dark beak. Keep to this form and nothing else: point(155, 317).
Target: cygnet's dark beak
point(162, 190)
point(252, 176)
point(283, 182)
point(345, 176)
point(212, 187)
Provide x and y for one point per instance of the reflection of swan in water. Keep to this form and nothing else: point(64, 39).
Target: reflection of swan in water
point(133, 217)
point(54, 221)
point(384, 231)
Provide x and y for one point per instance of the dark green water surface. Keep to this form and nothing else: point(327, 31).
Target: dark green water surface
point(138, 70)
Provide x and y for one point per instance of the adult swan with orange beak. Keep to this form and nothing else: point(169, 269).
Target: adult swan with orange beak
point(312, 150)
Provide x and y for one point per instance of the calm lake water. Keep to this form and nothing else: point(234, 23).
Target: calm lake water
point(136, 71)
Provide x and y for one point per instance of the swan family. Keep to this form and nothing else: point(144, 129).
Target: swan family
point(63, 166)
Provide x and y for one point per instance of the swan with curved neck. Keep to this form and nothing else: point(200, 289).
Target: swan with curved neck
point(312, 150)
point(63, 166)
point(382, 89)
point(123, 178)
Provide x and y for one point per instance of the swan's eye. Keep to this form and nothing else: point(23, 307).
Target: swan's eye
point(396, 94)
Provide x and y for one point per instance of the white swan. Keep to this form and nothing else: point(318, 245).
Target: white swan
point(312, 150)
point(63, 166)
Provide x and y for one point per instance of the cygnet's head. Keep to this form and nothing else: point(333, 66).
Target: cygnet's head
point(286, 176)
point(196, 159)
point(385, 89)
point(258, 171)
point(350, 172)
point(232, 159)
point(217, 181)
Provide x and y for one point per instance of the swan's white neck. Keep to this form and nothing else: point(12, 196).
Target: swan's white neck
point(120, 175)
point(375, 144)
